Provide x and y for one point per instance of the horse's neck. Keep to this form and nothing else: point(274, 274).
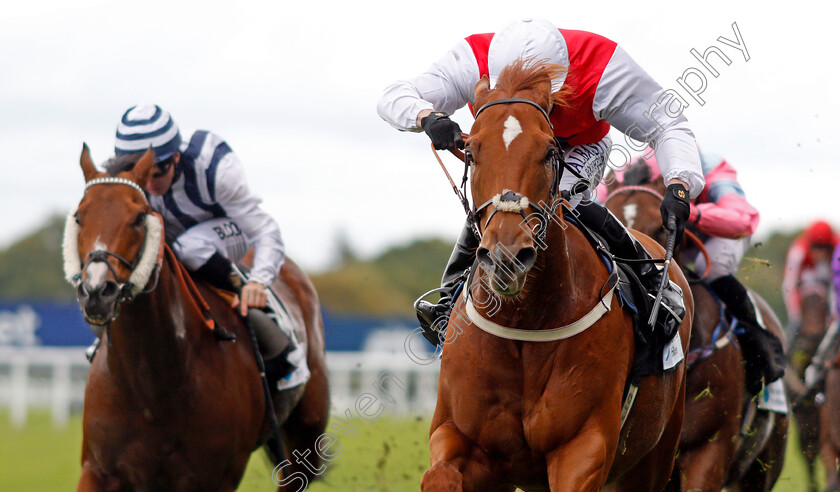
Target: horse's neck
point(569, 276)
point(149, 343)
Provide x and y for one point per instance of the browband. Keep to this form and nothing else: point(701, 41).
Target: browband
point(516, 100)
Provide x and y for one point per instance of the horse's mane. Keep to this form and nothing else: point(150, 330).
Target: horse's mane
point(118, 164)
point(528, 73)
point(637, 173)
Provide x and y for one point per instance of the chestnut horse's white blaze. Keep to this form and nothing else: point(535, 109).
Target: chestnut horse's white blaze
point(512, 130)
point(97, 271)
point(630, 211)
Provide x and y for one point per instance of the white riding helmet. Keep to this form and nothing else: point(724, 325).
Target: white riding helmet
point(527, 38)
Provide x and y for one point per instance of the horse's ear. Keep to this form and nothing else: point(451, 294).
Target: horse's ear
point(611, 181)
point(145, 166)
point(482, 87)
point(88, 168)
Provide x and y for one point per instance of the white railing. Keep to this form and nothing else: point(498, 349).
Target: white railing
point(54, 378)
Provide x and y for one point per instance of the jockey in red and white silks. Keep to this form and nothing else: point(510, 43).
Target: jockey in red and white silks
point(609, 89)
point(807, 266)
point(605, 88)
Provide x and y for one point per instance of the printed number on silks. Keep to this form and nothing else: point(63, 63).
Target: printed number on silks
point(228, 229)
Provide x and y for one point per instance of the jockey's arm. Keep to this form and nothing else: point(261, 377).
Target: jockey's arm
point(635, 104)
point(261, 229)
point(445, 86)
point(730, 217)
point(724, 210)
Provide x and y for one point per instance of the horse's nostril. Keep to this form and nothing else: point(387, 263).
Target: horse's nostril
point(81, 292)
point(527, 256)
point(109, 290)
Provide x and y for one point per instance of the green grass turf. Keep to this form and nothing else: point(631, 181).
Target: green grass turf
point(389, 455)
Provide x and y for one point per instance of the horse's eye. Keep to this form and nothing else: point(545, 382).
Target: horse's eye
point(140, 219)
point(76, 216)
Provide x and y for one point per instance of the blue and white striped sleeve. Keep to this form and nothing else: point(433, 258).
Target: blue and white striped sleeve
point(243, 206)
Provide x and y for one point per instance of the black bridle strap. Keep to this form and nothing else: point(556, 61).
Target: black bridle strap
point(514, 100)
point(102, 255)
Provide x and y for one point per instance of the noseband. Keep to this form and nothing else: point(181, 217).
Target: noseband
point(510, 201)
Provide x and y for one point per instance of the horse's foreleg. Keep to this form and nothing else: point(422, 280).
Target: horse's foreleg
point(581, 464)
point(89, 481)
point(705, 468)
point(454, 465)
point(654, 470)
point(443, 477)
point(831, 461)
point(765, 470)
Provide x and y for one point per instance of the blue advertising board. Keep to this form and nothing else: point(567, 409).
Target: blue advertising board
point(62, 324)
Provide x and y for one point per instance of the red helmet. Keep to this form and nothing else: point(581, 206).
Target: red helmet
point(820, 234)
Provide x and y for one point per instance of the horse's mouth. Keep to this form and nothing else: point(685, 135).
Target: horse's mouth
point(99, 315)
point(505, 285)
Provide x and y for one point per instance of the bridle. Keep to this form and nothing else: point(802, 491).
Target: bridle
point(145, 267)
point(508, 200)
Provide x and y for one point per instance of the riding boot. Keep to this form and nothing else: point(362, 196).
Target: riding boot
point(462, 258)
point(275, 346)
point(623, 245)
point(763, 353)
point(218, 272)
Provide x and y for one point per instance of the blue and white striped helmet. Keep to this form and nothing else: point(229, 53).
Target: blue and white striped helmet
point(147, 125)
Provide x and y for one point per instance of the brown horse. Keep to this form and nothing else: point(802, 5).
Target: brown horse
point(830, 428)
point(169, 406)
point(712, 452)
point(542, 415)
point(815, 318)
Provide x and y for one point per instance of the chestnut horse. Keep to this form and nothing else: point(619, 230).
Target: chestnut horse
point(169, 406)
point(542, 414)
point(712, 453)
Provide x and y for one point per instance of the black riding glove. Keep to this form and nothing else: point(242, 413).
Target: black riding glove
point(676, 205)
point(445, 133)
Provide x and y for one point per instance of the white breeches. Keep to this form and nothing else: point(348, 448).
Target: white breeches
point(588, 160)
point(726, 255)
point(198, 243)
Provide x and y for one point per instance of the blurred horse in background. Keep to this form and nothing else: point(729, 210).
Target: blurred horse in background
point(816, 314)
point(174, 399)
point(830, 425)
point(713, 452)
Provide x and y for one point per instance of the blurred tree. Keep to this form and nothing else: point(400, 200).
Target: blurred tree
point(32, 267)
point(387, 284)
point(763, 267)
point(344, 251)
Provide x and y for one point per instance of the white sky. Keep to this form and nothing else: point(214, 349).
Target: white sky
point(293, 90)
